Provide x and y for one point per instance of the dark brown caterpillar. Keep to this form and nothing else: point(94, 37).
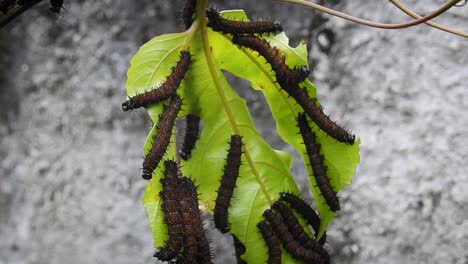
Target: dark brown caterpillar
point(240, 249)
point(166, 90)
point(217, 23)
point(306, 211)
point(298, 232)
point(5, 5)
point(284, 75)
point(317, 115)
point(189, 215)
point(289, 80)
point(196, 246)
point(56, 6)
point(162, 137)
point(228, 183)
point(192, 130)
point(172, 217)
point(188, 12)
point(272, 241)
point(289, 243)
point(316, 162)
point(293, 224)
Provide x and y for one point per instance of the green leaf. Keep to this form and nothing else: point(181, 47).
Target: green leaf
point(341, 159)
point(265, 172)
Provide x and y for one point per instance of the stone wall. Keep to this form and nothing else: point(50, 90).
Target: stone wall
point(70, 189)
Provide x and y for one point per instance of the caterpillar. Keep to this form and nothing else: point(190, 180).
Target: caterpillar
point(316, 162)
point(272, 241)
point(192, 129)
point(293, 224)
point(298, 232)
point(188, 12)
point(189, 215)
point(172, 216)
point(5, 5)
point(56, 6)
point(289, 80)
point(289, 243)
point(305, 211)
point(166, 90)
point(228, 183)
point(162, 137)
point(196, 245)
point(239, 248)
point(317, 115)
point(284, 75)
point(217, 23)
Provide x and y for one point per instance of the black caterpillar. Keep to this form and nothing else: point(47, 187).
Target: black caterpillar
point(284, 74)
point(196, 245)
point(166, 90)
point(188, 12)
point(289, 80)
point(306, 211)
point(162, 138)
point(172, 215)
point(5, 5)
point(192, 129)
point(239, 249)
point(56, 6)
point(316, 162)
point(217, 23)
point(298, 232)
point(228, 183)
point(288, 241)
point(272, 241)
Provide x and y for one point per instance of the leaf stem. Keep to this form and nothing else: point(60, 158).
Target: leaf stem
point(361, 21)
point(430, 23)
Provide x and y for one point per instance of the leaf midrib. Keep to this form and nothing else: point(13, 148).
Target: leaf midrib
point(211, 66)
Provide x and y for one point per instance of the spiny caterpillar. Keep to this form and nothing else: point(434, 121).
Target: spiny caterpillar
point(166, 90)
point(317, 115)
point(182, 216)
point(240, 249)
point(218, 23)
point(284, 74)
point(293, 224)
point(56, 6)
point(162, 137)
point(172, 216)
point(196, 245)
point(228, 183)
point(298, 232)
point(305, 211)
point(5, 5)
point(289, 243)
point(188, 12)
point(192, 129)
point(289, 80)
point(272, 241)
point(316, 162)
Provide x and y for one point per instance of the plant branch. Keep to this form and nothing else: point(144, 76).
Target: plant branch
point(430, 23)
point(17, 11)
point(361, 21)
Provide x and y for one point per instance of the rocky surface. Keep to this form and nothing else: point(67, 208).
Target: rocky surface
point(70, 190)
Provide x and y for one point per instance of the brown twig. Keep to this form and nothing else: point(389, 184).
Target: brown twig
point(17, 11)
point(361, 21)
point(430, 23)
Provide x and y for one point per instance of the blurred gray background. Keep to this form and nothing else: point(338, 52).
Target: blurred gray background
point(70, 188)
